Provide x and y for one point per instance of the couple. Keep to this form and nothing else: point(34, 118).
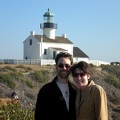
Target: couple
point(59, 100)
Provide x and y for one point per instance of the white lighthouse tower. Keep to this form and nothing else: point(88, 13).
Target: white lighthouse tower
point(48, 26)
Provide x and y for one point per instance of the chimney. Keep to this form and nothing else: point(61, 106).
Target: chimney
point(64, 35)
point(32, 33)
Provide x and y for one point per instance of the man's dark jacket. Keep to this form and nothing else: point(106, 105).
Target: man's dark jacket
point(51, 105)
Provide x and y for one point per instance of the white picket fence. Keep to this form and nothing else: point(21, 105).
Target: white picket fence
point(45, 61)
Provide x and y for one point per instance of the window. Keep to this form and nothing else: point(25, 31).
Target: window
point(45, 51)
point(30, 41)
point(54, 54)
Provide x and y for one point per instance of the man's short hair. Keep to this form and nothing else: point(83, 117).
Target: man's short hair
point(64, 54)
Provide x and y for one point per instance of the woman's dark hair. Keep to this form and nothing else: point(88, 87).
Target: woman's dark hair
point(82, 65)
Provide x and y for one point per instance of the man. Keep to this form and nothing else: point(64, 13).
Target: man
point(56, 99)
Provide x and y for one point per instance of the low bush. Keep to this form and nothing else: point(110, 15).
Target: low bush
point(113, 80)
point(40, 76)
point(15, 112)
point(7, 69)
point(7, 79)
point(24, 68)
point(29, 83)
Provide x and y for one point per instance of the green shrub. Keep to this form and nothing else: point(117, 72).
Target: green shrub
point(18, 76)
point(112, 69)
point(1, 63)
point(24, 68)
point(15, 112)
point(92, 65)
point(20, 66)
point(40, 76)
point(29, 83)
point(7, 79)
point(111, 79)
point(7, 69)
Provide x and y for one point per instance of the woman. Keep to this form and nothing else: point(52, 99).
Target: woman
point(91, 100)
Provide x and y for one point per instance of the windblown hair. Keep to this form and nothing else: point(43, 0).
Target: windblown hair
point(82, 65)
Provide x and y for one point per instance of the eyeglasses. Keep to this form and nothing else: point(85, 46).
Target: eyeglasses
point(77, 74)
point(63, 65)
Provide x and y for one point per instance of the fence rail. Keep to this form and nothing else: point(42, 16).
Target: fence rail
point(45, 61)
point(28, 61)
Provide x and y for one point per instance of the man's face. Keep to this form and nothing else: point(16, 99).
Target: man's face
point(63, 67)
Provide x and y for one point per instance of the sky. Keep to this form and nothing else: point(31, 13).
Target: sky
point(92, 25)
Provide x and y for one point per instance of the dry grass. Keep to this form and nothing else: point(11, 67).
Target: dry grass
point(32, 67)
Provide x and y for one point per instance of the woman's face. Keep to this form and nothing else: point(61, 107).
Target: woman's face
point(80, 78)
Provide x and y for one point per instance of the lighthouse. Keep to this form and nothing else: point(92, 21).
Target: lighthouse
point(48, 26)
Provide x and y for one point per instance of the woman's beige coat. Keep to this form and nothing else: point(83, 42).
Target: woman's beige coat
point(91, 104)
